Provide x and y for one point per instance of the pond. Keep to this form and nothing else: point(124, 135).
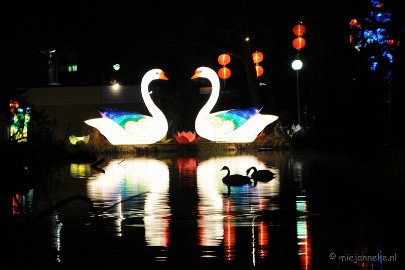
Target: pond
point(171, 210)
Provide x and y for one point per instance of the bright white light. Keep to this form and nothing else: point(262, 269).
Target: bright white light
point(296, 64)
point(116, 86)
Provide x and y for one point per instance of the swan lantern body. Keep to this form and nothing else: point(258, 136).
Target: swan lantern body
point(234, 125)
point(129, 128)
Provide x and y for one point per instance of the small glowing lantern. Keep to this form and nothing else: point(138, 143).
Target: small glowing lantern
point(257, 57)
point(354, 24)
point(298, 43)
point(13, 107)
point(116, 67)
point(299, 30)
point(259, 70)
point(224, 73)
point(224, 59)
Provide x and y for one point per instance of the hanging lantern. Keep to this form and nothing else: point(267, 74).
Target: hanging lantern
point(354, 24)
point(392, 43)
point(224, 73)
point(257, 57)
point(224, 59)
point(298, 43)
point(299, 30)
point(14, 104)
point(259, 70)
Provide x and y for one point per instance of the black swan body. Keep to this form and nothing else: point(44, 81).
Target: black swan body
point(234, 180)
point(260, 175)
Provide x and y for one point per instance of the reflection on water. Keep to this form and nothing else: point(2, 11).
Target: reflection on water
point(80, 170)
point(181, 209)
point(303, 235)
point(217, 215)
point(125, 178)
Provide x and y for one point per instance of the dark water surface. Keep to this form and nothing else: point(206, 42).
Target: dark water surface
point(171, 211)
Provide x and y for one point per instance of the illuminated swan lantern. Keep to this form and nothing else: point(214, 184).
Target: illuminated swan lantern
point(128, 128)
point(234, 125)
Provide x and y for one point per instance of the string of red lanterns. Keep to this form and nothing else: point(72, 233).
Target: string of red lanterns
point(299, 42)
point(257, 58)
point(224, 59)
point(224, 72)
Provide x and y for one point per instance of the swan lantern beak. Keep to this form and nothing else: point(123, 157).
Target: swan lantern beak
point(162, 76)
point(196, 75)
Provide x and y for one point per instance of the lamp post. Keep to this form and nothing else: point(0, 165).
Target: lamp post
point(297, 65)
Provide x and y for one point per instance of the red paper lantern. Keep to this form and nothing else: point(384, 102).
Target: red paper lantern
point(354, 24)
point(13, 106)
point(224, 73)
point(257, 57)
point(298, 43)
point(299, 30)
point(224, 59)
point(259, 70)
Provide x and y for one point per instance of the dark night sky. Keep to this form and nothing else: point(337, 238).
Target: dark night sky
point(158, 33)
point(170, 34)
point(173, 35)
point(178, 37)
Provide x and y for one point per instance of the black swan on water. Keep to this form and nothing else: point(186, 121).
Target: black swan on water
point(260, 175)
point(234, 179)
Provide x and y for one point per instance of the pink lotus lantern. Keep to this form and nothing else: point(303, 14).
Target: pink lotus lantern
point(186, 137)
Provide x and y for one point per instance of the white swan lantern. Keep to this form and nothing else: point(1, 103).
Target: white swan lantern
point(234, 125)
point(129, 128)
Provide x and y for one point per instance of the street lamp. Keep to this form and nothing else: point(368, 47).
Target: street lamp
point(297, 65)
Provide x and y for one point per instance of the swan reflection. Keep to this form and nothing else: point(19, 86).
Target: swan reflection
point(129, 177)
point(174, 207)
point(221, 215)
point(217, 215)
